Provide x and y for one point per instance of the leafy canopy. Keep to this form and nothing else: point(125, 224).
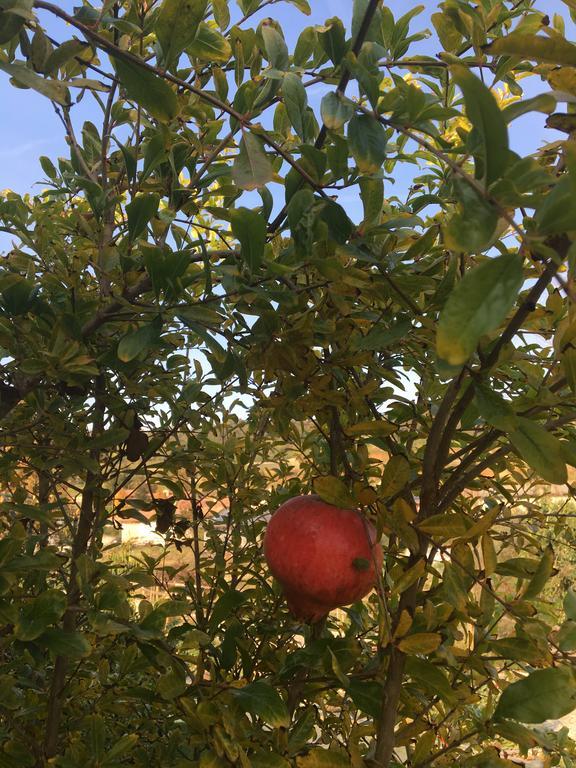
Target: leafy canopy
point(269, 268)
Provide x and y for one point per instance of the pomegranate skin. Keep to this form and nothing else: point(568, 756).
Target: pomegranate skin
point(323, 556)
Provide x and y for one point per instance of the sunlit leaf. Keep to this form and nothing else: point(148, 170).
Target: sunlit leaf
point(209, 45)
point(176, 26)
point(395, 476)
point(477, 305)
point(420, 643)
point(333, 490)
point(549, 50)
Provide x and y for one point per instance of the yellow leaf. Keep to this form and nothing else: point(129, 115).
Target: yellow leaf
point(410, 576)
point(378, 428)
point(482, 525)
point(404, 624)
point(395, 476)
point(563, 79)
point(488, 555)
point(332, 490)
point(423, 642)
point(444, 526)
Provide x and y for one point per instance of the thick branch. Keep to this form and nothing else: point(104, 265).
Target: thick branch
point(525, 309)
point(79, 547)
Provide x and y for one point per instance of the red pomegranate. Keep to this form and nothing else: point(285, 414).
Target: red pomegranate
point(323, 556)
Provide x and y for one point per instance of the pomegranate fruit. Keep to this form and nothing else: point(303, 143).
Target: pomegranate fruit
point(323, 556)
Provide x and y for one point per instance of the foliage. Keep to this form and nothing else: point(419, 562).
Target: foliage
point(197, 324)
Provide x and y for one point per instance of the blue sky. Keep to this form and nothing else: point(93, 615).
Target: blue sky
point(30, 128)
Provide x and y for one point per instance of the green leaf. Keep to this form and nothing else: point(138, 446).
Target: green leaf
point(557, 214)
point(335, 111)
point(570, 604)
point(72, 644)
point(379, 337)
point(249, 227)
point(66, 51)
point(485, 115)
point(209, 45)
point(295, 101)
point(221, 13)
point(171, 685)
point(541, 576)
point(478, 305)
point(494, 409)
point(481, 526)
point(302, 5)
point(545, 50)
point(395, 476)
point(359, 10)
point(263, 758)
point(302, 218)
point(546, 694)
point(140, 211)
point(38, 614)
point(94, 731)
point(367, 141)
point(332, 490)
point(339, 225)
point(544, 102)
point(252, 168)
point(566, 637)
point(332, 38)
point(276, 49)
point(372, 196)
point(55, 90)
point(176, 26)
point(209, 759)
point(10, 25)
point(473, 226)
point(40, 50)
point(140, 340)
point(367, 696)
point(262, 700)
point(304, 46)
point(147, 89)
point(517, 648)
point(225, 606)
point(449, 36)
point(124, 745)
point(431, 677)
point(540, 450)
